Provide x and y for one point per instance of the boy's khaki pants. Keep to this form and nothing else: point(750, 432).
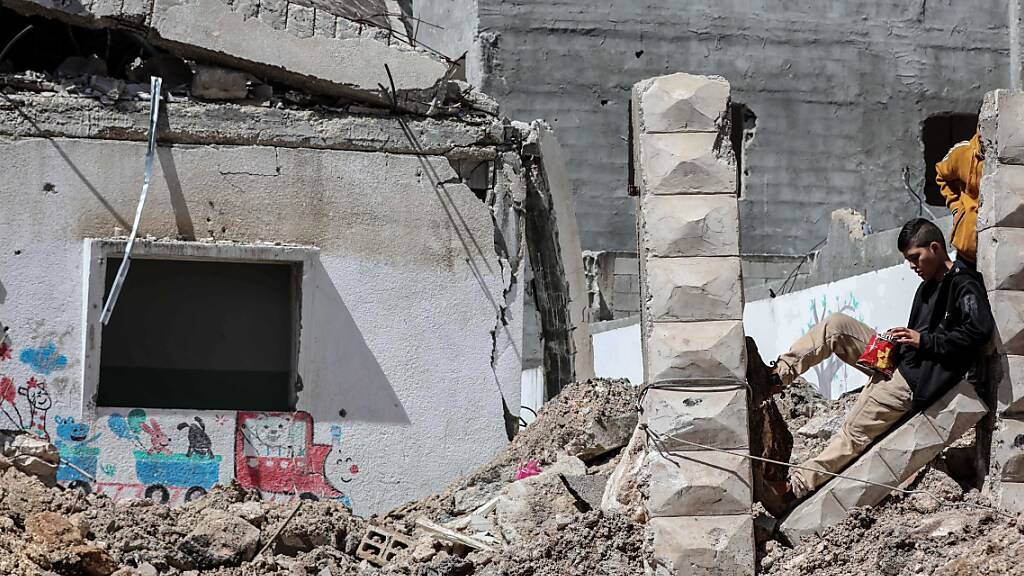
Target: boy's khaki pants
point(880, 404)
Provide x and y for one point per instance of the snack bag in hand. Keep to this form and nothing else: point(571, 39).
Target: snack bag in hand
point(879, 356)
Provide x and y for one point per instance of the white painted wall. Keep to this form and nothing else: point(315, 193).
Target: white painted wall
point(617, 352)
point(881, 299)
point(399, 305)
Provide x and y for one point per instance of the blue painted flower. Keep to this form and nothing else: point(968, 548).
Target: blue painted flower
point(44, 359)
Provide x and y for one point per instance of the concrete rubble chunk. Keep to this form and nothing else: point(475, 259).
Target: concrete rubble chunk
point(685, 163)
point(697, 483)
point(891, 461)
point(534, 503)
point(688, 289)
point(622, 492)
point(1003, 193)
point(1008, 448)
point(1000, 258)
point(683, 103)
point(712, 418)
point(696, 350)
point(1008, 310)
point(220, 539)
point(691, 225)
point(1010, 386)
point(704, 545)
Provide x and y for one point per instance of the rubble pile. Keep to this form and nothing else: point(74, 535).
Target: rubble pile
point(533, 510)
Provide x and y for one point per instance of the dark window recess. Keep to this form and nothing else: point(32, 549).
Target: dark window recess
point(201, 335)
point(939, 134)
point(742, 123)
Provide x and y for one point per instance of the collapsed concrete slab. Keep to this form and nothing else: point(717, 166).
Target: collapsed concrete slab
point(891, 461)
point(1008, 311)
point(358, 62)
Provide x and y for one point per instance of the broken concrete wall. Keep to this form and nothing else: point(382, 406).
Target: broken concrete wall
point(559, 292)
point(410, 309)
point(698, 500)
point(345, 49)
point(1000, 249)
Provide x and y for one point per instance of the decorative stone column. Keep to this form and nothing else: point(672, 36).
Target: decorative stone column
point(1001, 262)
point(698, 501)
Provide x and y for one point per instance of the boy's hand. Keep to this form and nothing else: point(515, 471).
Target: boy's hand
point(906, 336)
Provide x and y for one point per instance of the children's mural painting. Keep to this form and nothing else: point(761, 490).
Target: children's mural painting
point(167, 456)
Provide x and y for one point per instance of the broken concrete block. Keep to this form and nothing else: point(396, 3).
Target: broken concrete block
point(220, 539)
point(1008, 310)
point(300, 20)
point(622, 493)
point(872, 468)
point(686, 163)
point(323, 23)
point(1002, 193)
point(999, 258)
point(604, 435)
point(687, 289)
point(697, 483)
point(690, 225)
point(682, 103)
point(712, 418)
point(811, 517)
point(1008, 449)
point(892, 460)
point(213, 83)
point(912, 446)
point(695, 350)
point(532, 504)
point(1009, 378)
point(704, 545)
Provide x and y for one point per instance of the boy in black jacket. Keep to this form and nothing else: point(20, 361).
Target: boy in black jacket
point(949, 323)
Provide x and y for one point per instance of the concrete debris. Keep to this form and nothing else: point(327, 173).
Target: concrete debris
point(485, 524)
point(33, 456)
point(215, 83)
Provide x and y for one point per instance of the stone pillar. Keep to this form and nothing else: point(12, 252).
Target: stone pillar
point(697, 501)
point(1001, 262)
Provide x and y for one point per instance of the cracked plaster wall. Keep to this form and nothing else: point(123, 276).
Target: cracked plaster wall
point(400, 304)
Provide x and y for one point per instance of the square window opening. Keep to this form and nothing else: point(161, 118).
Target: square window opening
point(201, 335)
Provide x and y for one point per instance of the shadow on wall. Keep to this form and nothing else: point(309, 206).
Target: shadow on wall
point(348, 381)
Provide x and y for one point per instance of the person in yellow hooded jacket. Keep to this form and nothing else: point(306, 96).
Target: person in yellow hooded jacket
point(959, 178)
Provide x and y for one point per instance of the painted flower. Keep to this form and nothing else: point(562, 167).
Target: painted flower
point(44, 359)
point(7, 391)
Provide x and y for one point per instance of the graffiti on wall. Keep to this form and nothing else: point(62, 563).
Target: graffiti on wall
point(275, 452)
point(78, 456)
point(160, 472)
point(26, 407)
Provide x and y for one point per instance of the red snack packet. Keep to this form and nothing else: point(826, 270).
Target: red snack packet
point(879, 356)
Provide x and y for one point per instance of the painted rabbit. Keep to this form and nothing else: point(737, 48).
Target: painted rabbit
point(157, 439)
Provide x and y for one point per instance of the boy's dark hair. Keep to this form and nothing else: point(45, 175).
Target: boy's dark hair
point(919, 233)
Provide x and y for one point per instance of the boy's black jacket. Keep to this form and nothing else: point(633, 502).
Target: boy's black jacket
point(960, 324)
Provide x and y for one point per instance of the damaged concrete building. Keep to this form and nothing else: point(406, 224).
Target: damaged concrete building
point(327, 292)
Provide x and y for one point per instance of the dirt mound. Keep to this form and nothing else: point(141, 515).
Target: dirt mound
point(546, 523)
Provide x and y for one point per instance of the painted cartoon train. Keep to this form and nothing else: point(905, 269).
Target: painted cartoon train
point(275, 452)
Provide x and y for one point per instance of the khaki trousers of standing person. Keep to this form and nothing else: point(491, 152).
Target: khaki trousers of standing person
point(880, 404)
